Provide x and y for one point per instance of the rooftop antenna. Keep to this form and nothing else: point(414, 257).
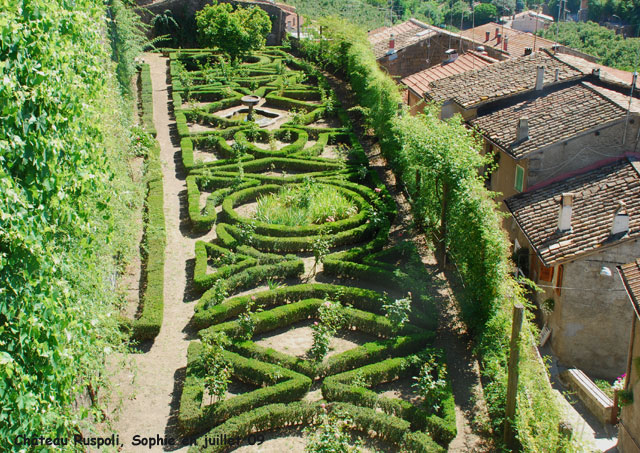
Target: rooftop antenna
point(535, 34)
point(473, 29)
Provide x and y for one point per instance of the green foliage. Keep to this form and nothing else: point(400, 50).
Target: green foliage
point(127, 38)
point(65, 213)
point(432, 383)
point(217, 368)
point(330, 435)
point(484, 13)
point(235, 32)
point(438, 162)
point(611, 49)
point(304, 204)
point(397, 311)
point(330, 320)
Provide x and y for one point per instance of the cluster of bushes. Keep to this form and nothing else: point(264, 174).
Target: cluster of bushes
point(387, 427)
point(438, 163)
point(247, 252)
point(275, 385)
point(354, 387)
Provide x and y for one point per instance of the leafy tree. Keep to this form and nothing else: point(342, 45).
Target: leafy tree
point(235, 32)
point(589, 37)
point(485, 12)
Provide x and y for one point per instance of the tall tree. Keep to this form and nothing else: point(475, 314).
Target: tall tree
point(235, 32)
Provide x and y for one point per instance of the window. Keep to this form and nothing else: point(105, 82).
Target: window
point(519, 185)
point(558, 287)
point(546, 273)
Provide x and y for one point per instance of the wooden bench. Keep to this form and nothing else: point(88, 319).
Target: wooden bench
point(596, 401)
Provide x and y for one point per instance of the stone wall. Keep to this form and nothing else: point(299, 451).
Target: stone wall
point(629, 431)
point(591, 316)
point(427, 53)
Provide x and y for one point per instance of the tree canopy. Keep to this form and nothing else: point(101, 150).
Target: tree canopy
point(233, 31)
point(613, 50)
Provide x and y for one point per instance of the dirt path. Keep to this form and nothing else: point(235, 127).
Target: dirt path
point(151, 385)
point(463, 368)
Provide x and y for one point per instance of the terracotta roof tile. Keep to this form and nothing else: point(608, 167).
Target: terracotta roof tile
point(419, 82)
point(406, 34)
point(597, 192)
point(501, 79)
point(552, 117)
point(517, 40)
point(630, 274)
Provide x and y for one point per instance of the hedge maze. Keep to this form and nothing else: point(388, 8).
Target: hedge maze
point(264, 279)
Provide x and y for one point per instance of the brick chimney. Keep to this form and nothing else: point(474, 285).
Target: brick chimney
point(392, 42)
point(487, 36)
point(566, 207)
point(539, 77)
point(506, 42)
point(620, 220)
point(498, 39)
point(497, 32)
point(528, 50)
point(522, 131)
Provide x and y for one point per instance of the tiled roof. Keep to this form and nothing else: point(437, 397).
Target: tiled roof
point(419, 82)
point(597, 193)
point(517, 40)
point(406, 34)
point(552, 117)
point(500, 80)
point(630, 274)
point(606, 73)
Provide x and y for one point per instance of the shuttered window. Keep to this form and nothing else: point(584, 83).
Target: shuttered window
point(559, 280)
point(546, 273)
point(519, 185)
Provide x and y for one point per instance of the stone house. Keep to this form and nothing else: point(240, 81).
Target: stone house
point(571, 233)
point(540, 117)
point(531, 21)
point(418, 84)
point(413, 46)
point(629, 418)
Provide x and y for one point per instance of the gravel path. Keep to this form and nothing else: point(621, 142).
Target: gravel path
point(151, 385)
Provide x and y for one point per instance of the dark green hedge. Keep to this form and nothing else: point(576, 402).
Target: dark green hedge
point(146, 99)
point(276, 384)
point(388, 428)
point(441, 426)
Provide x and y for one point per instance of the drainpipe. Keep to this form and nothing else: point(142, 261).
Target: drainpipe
point(626, 123)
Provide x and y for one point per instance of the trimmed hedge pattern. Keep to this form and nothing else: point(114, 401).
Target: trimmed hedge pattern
point(231, 163)
point(147, 325)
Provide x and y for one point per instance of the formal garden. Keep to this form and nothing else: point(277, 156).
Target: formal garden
point(309, 314)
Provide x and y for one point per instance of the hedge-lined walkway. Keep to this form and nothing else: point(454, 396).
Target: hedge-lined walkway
point(452, 336)
point(149, 386)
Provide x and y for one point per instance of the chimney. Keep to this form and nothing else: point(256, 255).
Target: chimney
point(620, 220)
point(392, 42)
point(557, 76)
point(528, 50)
point(522, 132)
point(596, 72)
point(497, 32)
point(506, 42)
point(498, 39)
point(487, 36)
point(539, 77)
point(566, 206)
point(452, 55)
